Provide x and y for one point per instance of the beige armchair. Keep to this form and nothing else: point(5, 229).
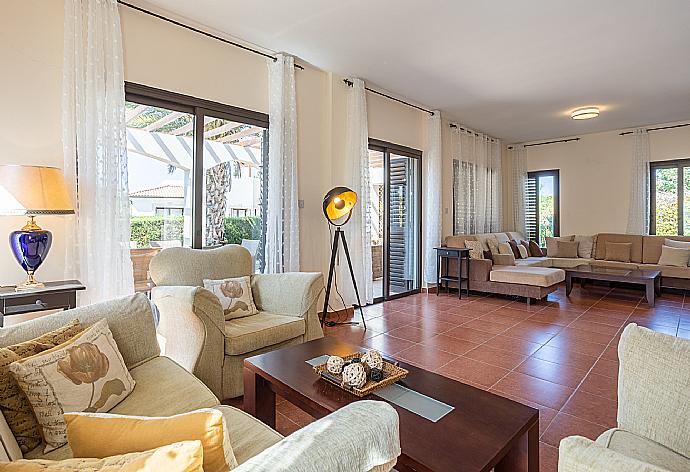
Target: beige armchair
point(194, 329)
point(653, 433)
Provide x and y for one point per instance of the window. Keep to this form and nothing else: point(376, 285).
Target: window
point(542, 213)
point(670, 197)
point(195, 170)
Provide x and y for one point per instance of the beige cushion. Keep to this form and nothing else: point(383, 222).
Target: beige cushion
point(586, 247)
point(643, 449)
point(502, 237)
point(653, 383)
point(652, 246)
point(535, 276)
point(235, 295)
point(13, 402)
point(674, 256)
point(566, 249)
point(184, 456)
point(476, 249)
point(551, 244)
point(619, 252)
point(104, 435)
point(515, 236)
point(87, 373)
point(494, 246)
point(160, 374)
point(459, 240)
point(504, 248)
point(668, 271)
point(579, 454)
point(130, 319)
point(9, 448)
point(503, 259)
point(614, 264)
point(248, 436)
point(568, 262)
point(634, 239)
point(524, 253)
point(248, 334)
point(677, 244)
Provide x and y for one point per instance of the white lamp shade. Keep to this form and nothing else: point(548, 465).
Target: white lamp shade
point(33, 190)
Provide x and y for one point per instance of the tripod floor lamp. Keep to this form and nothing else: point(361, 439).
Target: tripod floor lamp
point(337, 206)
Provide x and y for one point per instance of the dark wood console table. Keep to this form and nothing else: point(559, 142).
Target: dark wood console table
point(57, 295)
point(446, 254)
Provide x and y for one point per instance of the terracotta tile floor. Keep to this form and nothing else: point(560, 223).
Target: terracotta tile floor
point(558, 356)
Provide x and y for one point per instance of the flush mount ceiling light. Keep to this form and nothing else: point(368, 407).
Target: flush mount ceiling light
point(584, 113)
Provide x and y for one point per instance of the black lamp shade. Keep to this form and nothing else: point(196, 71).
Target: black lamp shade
point(338, 203)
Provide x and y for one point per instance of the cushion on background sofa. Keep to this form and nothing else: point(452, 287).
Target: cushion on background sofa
point(566, 249)
point(551, 243)
point(535, 250)
point(674, 256)
point(634, 239)
point(586, 247)
point(619, 252)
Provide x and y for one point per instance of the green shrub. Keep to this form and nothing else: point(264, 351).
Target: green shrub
point(238, 228)
point(156, 228)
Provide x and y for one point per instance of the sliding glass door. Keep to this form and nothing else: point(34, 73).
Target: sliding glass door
point(395, 211)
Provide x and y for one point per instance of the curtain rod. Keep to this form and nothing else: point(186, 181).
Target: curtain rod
point(350, 83)
point(197, 30)
point(656, 129)
point(453, 125)
point(549, 142)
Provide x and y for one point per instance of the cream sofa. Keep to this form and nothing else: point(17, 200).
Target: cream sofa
point(193, 326)
point(164, 388)
point(653, 433)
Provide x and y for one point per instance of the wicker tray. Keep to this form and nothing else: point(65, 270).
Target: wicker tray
point(391, 374)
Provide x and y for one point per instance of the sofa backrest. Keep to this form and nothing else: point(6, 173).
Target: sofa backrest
point(653, 381)
point(651, 247)
point(183, 266)
point(129, 318)
point(634, 239)
point(458, 240)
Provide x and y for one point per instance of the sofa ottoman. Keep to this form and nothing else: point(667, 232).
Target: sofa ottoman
point(528, 275)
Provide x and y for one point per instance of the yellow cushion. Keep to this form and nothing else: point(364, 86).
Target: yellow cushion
point(184, 456)
point(103, 435)
point(86, 373)
point(13, 403)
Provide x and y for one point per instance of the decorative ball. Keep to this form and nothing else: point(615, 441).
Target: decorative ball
point(354, 375)
point(373, 359)
point(335, 365)
point(376, 375)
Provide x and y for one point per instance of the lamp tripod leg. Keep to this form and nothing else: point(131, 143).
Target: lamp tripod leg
point(334, 252)
point(352, 274)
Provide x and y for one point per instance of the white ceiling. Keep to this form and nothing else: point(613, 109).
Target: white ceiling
point(513, 69)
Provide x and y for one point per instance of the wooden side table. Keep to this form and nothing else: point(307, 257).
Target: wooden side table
point(446, 254)
point(57, 295)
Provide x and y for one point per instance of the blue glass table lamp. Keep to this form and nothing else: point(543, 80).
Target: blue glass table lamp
point(31, 191)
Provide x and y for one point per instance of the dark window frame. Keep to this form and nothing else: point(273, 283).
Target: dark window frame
point(671, 164)
point(388, 148)
point(555, 173)
point(200, 108)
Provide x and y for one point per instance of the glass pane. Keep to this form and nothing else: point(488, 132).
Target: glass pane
point(666, 201)
point(159, 162)
point(547, 208)
point(233, 160)
point(403, 223)
point(686, 200)
point(377, 214)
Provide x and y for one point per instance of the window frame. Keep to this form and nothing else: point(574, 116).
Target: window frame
point(678, 164)
point(555, 173)
point(200, 108)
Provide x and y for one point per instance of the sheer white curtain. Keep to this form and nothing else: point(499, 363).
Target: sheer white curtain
point(432, 186)
point(519, 162)
point(358, 229)
point(638, 214)
point(282, 220)
point(94, 148)
point(476, 182)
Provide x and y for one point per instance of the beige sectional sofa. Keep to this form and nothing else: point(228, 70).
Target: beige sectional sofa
point(485, 276)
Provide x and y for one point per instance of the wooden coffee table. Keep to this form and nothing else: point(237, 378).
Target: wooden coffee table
point(651, 279)
point(484, 431)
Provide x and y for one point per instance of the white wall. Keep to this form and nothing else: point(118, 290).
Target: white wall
point(165, 56)
point(595, 175)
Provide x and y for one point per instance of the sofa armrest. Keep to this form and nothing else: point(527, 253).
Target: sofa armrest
point(291, 294)
point(359, 437)
point(578, 454)
point(192, 328)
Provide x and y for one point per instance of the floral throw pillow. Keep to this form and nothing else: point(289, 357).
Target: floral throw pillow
point(235, 296)
point(476, 249)
point(86, 373)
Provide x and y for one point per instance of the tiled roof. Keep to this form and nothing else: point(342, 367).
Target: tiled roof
point(165, 191)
